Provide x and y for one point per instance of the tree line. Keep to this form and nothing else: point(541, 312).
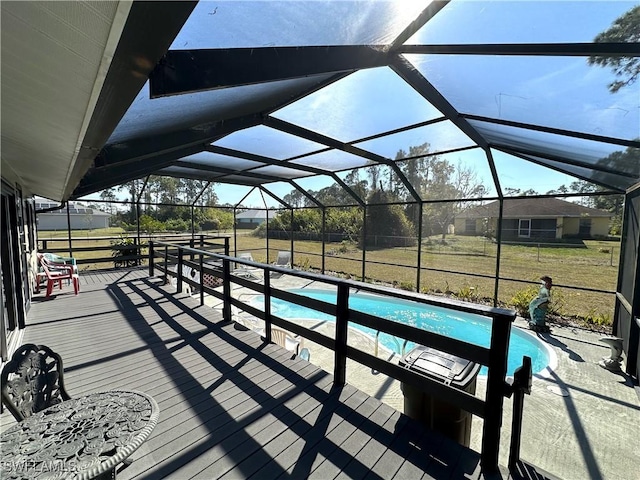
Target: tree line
point(165, 205)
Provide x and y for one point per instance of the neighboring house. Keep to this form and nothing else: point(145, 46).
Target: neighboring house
point(535, 218)
point(253, 218)
point(80, 216)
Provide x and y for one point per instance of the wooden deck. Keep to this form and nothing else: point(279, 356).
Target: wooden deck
point(231, 405)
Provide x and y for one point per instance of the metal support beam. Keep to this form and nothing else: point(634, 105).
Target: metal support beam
point(609, 49)
point(555, 131)
point(419, 273)
point(324, 239)
point(306, 194)
point(187, 71)
point(526, 154)
point(498, 251)
point(338, 145)
point(364, 242)
point(101, 178)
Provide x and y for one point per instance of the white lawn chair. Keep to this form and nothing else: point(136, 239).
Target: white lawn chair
point(245, 271)
point(282, 260)
point(285, 340)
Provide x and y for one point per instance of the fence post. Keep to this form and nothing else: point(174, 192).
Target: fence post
point(151, 254)
point(180, 260)
point(496, 389)
point(342, 320)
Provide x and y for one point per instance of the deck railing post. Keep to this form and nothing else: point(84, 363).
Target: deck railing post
point(166, 263)
point(180, 260)
point(201, 278)
point(342, 322)
point(496, 390)
point(151, 254)
point(226, 290)
point(522, 378)
point(267, 306)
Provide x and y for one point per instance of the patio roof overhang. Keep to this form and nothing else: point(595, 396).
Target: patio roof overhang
point(70, 71)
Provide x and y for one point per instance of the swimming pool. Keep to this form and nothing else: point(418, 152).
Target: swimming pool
point(463, 326)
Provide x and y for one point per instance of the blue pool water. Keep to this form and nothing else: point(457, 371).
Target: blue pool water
point(467, 327)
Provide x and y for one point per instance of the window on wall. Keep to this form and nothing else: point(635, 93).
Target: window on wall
point(524, 228)
point(585, 227)
point(470, 225)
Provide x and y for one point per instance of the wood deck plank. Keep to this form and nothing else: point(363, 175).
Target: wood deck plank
point(228, 417)
point(345, 462)
point(310, 446)
point(391, 461)
point(283, 416)
point(375, 448)
point(296, 454)
point(289, 426)
point(337, 450)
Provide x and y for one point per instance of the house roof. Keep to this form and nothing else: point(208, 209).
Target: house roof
point(256, 214)
point(75, 208)
point(533, 208)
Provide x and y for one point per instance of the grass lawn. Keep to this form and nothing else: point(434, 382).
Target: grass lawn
point(464, 266)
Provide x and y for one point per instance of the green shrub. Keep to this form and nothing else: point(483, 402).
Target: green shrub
point(597, 319)
point(210, 224)
point(467, 293)
point(123, 249)
point(305, 265)
point(149, 224)
point(408, 286)
point(177, 225)
point(346, 246)
point(521, 300)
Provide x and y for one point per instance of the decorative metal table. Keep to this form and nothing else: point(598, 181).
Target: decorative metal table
point(81, 438)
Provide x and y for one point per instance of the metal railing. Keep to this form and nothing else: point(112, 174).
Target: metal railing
point(163, 256)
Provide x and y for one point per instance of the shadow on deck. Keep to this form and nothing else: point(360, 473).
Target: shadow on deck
point(231, 405)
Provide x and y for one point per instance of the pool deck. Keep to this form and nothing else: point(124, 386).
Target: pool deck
point(580, 421)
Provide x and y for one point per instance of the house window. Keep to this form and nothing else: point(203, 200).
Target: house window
point(524, 227)
point(585, 227)
point(470, 225)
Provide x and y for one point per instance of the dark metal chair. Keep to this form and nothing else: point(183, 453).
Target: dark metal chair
point(32, 381)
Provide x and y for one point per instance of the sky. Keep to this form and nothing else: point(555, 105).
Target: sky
point(559, 92)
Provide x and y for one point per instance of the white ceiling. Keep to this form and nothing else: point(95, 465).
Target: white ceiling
point(55, 57)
